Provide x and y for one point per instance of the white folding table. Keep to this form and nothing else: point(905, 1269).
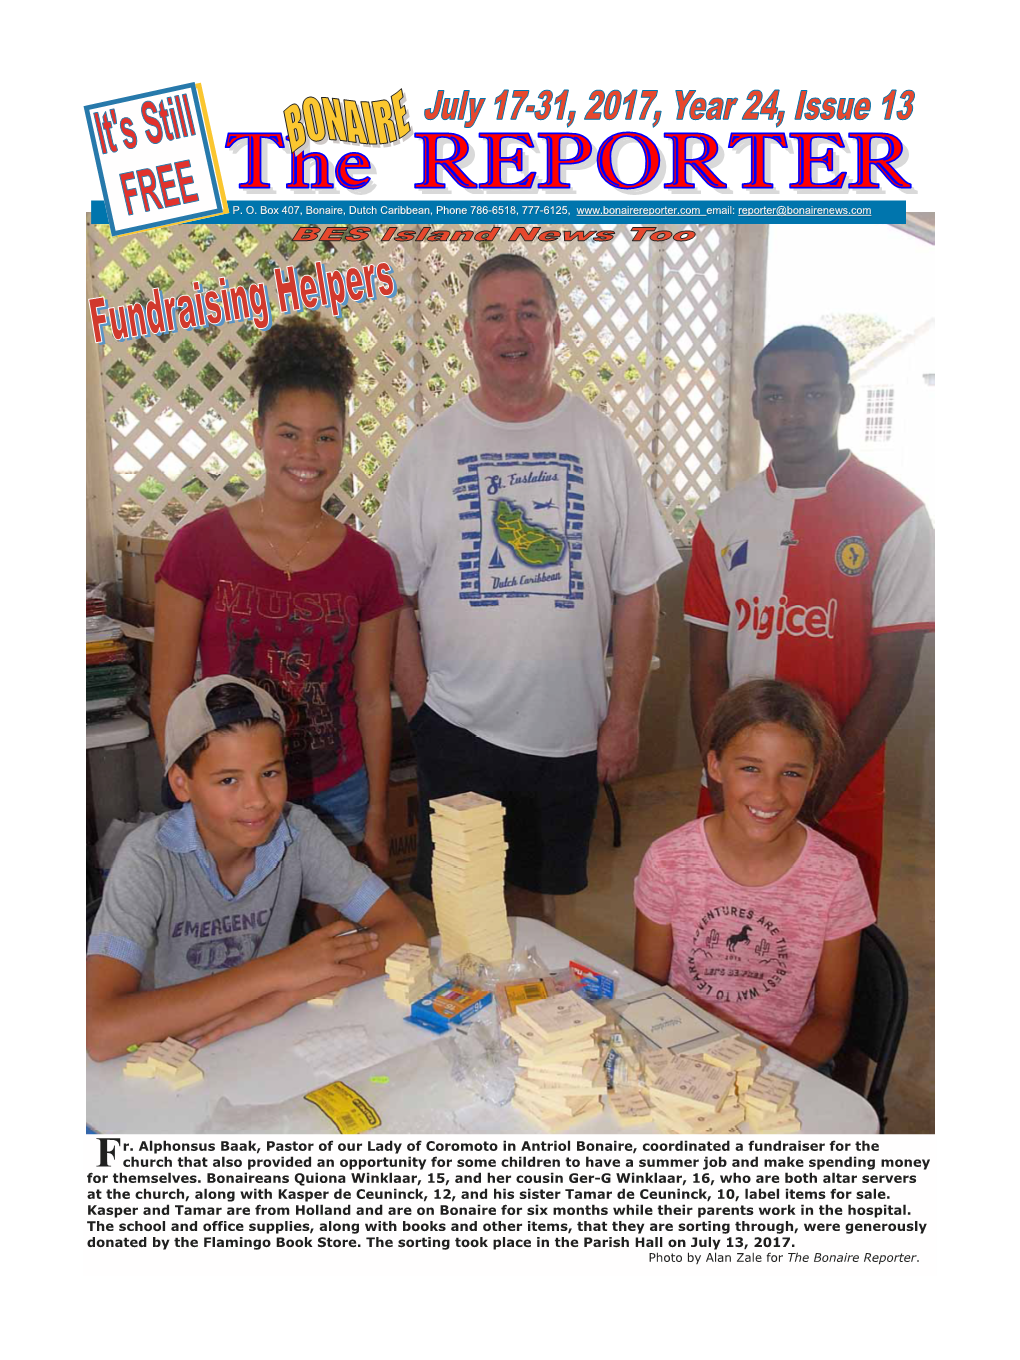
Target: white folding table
point(414, 1091)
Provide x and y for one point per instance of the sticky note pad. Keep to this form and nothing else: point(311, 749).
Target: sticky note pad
point(732, 1055)
point(186, 1075)
point(144, 1070)
point(695, 1083)
point(559, 1016)
point(470, 809)
point(769, 1093)
point(411, 956)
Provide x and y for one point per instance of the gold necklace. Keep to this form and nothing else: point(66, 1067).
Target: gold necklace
point(287, 561)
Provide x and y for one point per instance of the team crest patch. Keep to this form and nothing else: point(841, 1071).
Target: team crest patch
point(735, 554)
point(852, 556)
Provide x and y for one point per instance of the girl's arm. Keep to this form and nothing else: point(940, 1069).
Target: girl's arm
point(409, 675)
point(372, 655)
point(821, 1037)
point(653, 948)
point(178, 625)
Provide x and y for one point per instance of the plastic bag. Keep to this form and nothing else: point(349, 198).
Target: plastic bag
point(481, 1060)
point(472, 971)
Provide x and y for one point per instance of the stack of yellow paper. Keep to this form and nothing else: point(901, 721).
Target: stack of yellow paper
point(560, 1080)
point(689, 1096)
point(736, 1056)
point(468, 860)
point(408, 974)
point(768, 1107)
point(169, 1060)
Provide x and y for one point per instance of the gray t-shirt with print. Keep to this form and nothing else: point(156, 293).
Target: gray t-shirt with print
point(163, 914)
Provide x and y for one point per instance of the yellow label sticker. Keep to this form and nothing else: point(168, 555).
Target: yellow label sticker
point(520, 993)
point(348, 1111)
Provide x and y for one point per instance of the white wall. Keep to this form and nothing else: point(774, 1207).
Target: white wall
point(909, 455)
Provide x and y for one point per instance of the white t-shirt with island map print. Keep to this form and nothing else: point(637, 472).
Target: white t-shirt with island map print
point(516, 536)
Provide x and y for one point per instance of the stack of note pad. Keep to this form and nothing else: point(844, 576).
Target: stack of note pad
point(169, 1060)
point(468, 859)
point(560, 1079)
point(714, 1091)
point(767, 1105)
point(690, 1096)
point(408, 974)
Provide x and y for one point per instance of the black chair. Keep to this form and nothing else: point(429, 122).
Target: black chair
point(880, 1009)
point(614, 808)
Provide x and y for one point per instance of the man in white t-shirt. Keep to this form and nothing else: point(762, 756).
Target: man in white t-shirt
point(524, 534)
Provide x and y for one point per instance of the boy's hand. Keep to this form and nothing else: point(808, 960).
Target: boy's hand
point(325, 955)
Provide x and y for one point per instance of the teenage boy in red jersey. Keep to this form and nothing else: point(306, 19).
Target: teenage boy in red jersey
point(817, 571)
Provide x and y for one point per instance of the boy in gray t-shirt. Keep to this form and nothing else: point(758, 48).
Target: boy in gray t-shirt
point(192, 935)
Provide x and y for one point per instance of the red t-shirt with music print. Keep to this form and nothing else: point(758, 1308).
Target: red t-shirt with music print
point(294, 638)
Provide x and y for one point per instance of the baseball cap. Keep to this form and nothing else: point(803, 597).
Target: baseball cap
point(189, 719)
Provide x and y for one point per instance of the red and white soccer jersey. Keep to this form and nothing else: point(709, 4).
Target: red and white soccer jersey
point(802, 578)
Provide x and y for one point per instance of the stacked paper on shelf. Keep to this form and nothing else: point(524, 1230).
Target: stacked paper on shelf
point(468, 859)
point(109, 681)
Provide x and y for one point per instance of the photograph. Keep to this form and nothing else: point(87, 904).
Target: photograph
point(509, 704)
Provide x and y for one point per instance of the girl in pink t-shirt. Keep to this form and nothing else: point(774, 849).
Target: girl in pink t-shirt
point(750, 913)
point(277, 591)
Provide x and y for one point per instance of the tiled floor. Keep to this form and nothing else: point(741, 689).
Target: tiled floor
point(603, 916)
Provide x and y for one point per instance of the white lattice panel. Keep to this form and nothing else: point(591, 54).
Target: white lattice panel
point(646, 336)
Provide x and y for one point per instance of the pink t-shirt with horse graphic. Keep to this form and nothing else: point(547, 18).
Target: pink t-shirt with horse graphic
point(751, 953)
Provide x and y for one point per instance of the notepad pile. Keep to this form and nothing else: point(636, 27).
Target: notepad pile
point(690, 1096)
point(468, 859)
point(169, 1060)
point(408, 974)
point(716, 1090)
point(560, 1079)
point(109, 679)
point(768, 1105)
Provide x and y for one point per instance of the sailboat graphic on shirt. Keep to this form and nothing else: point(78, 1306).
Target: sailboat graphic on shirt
point(496, 560)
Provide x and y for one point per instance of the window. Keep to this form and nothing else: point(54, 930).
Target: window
point(878, 415)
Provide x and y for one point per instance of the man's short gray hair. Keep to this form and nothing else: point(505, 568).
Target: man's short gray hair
point(508, 264)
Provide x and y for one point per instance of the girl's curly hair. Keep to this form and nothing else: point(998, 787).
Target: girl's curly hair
point(300, 354)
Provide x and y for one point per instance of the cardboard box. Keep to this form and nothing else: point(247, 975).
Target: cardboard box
point(138, 612)
point(141, 558)
point(402, 817)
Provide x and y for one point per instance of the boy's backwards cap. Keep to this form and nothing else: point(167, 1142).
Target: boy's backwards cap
point(189, 718)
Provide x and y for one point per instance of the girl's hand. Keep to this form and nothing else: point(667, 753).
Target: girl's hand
point(376, 842)
point(325, 955)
